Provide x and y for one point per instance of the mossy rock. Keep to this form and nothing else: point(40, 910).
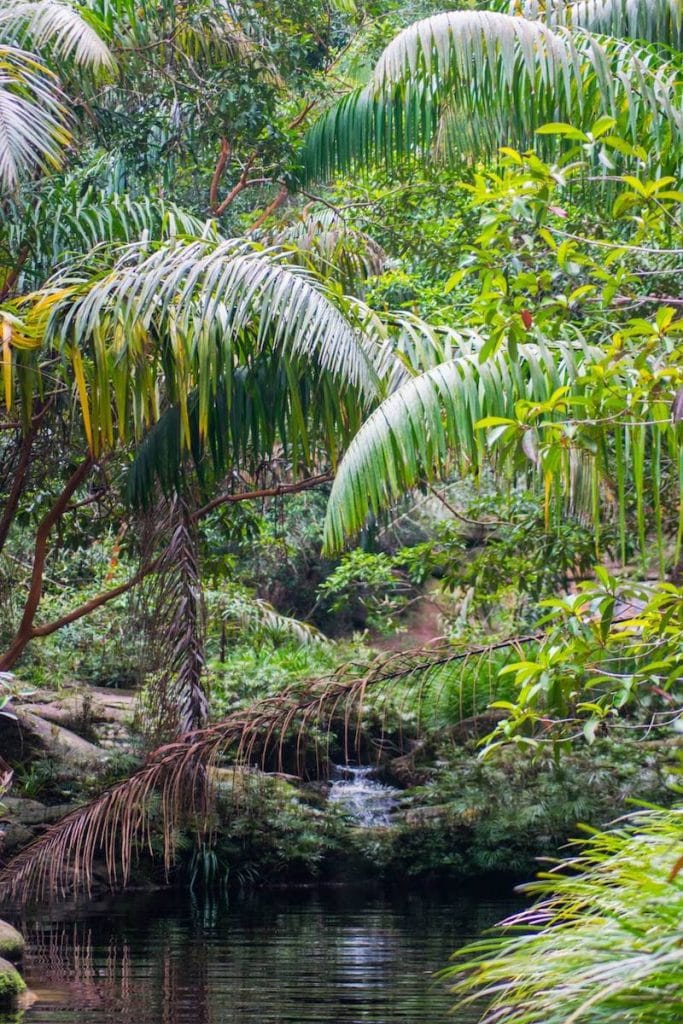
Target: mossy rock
point(12, 985)
point(11, 942)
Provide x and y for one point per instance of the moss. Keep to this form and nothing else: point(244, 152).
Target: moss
point(11, 983)
point(11, 942)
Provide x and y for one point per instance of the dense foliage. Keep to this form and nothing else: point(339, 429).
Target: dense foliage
point(342, 382)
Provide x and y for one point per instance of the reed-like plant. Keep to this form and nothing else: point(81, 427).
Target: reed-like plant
point(604, 945)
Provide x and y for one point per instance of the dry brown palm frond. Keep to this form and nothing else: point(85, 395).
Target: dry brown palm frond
point(176, 699)
point(174, 789)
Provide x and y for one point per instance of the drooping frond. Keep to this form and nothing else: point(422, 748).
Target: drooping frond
point(56, 26)
point(33, 132)
point(495, 79)
point(208, 31)
point(601, 942)
point(176, 701)
point(429, 425)
point(253, 616)
point(655, 21)
point(221, 310)
point(173, 789)
point(336, 249)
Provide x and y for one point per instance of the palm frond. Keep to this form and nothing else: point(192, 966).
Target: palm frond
point(655, 21)
point(33, 132)
point(222, 310)
point(61, 219)
point(497, 78)
point(429, 425)
point(334, 248)
point(602, 944)
point(56, 26)
point(253, 615)
point(176, 701)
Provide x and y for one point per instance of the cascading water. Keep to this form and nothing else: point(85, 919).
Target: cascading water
point(368, 802)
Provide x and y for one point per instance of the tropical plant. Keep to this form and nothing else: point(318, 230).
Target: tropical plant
point(602, 944)
point(33, 111)
point(557, 387)
point(468, 82)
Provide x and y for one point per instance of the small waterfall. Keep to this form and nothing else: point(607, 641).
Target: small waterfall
point(368, 802)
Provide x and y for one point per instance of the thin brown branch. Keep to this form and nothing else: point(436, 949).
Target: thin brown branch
point(242, 183)
point(95, 602)
point(265, 492)
point(221, 164)
point(87, 607)
point(301, 117)
point(463, 518)
point(271, 208)
point(25, 630)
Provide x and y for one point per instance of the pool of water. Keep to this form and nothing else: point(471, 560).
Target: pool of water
point(333, 956)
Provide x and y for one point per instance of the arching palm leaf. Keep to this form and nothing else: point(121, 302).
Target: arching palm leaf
point(429, 425)
point(222, 321)
point(479, 80)
point(61, 219)
point(33, 133)
point(656, 21)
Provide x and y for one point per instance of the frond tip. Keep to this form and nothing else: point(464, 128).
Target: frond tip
point(32, 117)
point(429, 423)
point(58, 27)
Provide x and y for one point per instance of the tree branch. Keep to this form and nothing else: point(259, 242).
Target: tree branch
point(265, 492)
point(96, 602)
point(221, 164)
point(270, 209)
point(25, 631)
point(242, 183)
point(28, 632)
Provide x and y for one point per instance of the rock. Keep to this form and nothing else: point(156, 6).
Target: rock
point(26, 812)
point(405, 772)
point(14, 836)
point(428, 815)
point(81, 711)
point(11, 942)
point(12, 985)
point(59, 743)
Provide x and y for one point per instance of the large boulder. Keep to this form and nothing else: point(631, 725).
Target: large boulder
point(12, 985)
point(28, 735)
point(11, 942)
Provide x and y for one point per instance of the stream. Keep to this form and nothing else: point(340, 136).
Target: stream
point(367, 802)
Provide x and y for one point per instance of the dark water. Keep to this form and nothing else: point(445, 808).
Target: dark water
point(331, 956)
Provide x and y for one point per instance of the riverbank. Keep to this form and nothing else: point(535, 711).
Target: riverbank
point(451, 816)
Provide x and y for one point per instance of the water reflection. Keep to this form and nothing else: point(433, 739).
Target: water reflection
point(333, 957)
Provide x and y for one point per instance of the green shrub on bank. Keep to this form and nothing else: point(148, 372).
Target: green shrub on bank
point(603, 946)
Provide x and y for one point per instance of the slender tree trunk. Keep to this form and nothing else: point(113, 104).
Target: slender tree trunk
point(26, 632)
